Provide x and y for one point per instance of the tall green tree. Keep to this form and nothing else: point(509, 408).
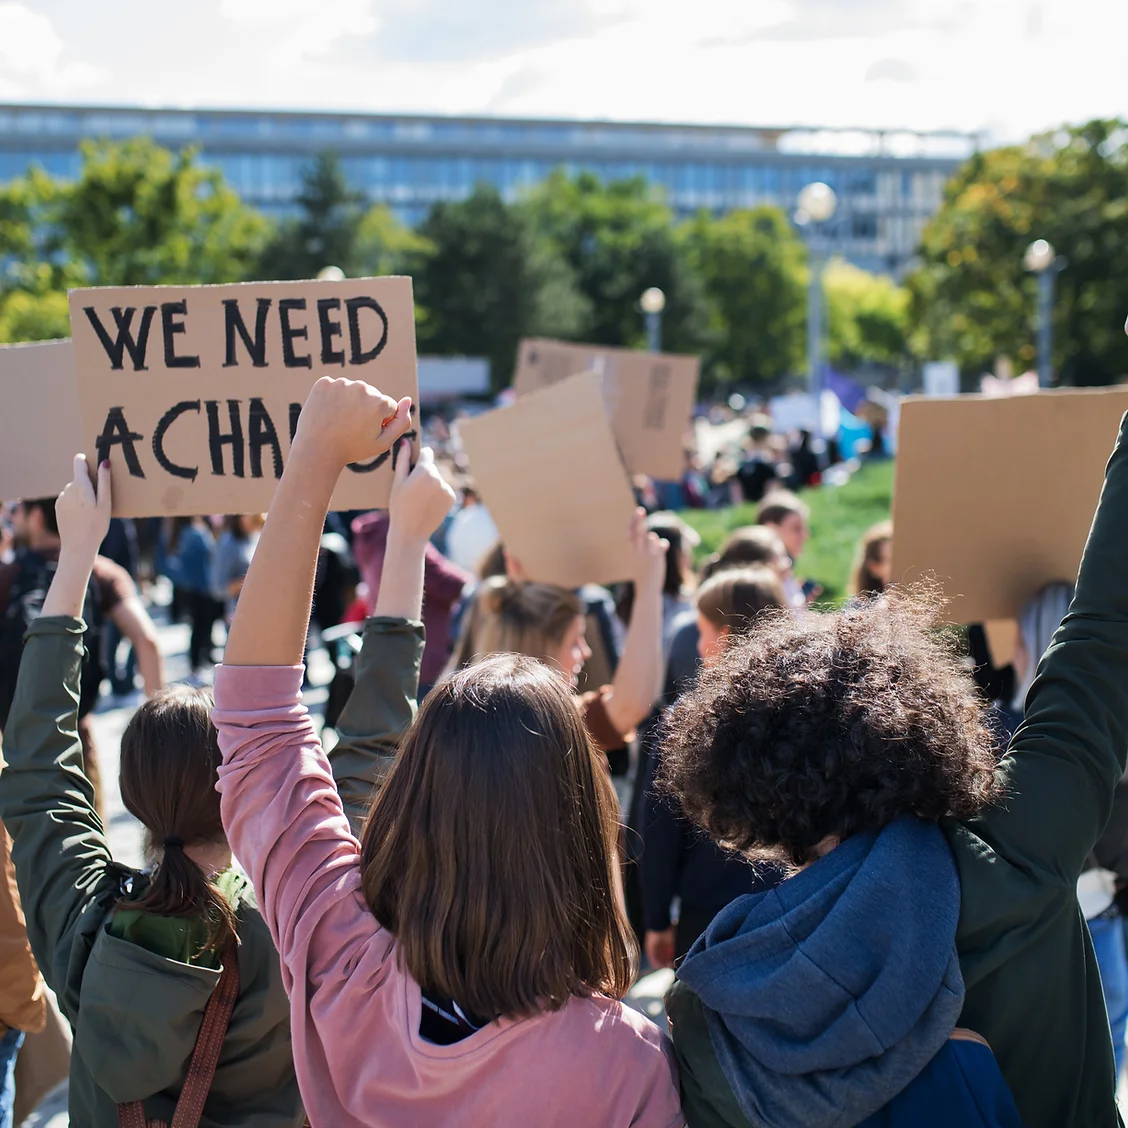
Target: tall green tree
point(335, 227)
point(972, 300)
point(619, 239)
point(137, 215)
point(486, 279)
point(753, 269)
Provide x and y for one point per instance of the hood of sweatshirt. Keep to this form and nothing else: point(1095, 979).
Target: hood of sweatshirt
point(826, 995)
point(143, 995)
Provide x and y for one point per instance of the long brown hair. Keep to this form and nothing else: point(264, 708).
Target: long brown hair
point(169, 758)
point(752, 544)
point(490, 851)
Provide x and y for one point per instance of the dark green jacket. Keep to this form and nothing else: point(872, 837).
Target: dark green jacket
point(1033, 989)
point(135, 1014)
point(378, 711)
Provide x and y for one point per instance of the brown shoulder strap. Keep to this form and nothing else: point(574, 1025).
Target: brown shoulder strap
point(205, 1057)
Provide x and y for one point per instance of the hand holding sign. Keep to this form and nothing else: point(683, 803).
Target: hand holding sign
point(421, 498)
point(348, 421)
point(83, 515)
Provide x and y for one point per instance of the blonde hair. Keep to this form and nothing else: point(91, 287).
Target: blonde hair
point(510, 617)
point(733, 598)
point(862, 580)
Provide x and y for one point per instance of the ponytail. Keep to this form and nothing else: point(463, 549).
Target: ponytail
point(169, 758)
point(179, 888)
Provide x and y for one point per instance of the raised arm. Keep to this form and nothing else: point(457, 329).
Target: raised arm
point(638, 678)
point(281, 811)
point(382, 704)
point(1065, 760)
point(59, 848)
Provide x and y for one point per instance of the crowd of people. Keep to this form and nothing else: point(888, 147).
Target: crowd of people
point(880, 865)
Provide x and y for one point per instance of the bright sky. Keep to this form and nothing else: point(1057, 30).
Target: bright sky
point(1008, 66)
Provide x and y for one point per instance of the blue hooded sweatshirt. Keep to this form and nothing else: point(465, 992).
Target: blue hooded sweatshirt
point(827, 996)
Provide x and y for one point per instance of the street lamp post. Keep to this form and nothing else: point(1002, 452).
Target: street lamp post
point(1041, 260)
point(653, 301)
point(817, 205)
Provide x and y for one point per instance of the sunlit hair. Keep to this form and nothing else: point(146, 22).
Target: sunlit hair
point(753, 544)
point(508, 616)
point(862, 579)
point(491, 849)
point(169, 759)
point(733, 598)
point(827, 725)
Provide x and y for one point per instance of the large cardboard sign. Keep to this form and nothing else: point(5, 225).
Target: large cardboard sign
point(194, 392)
point(649, 396)
point(995, 496)
point(549, 472)
point(39, 425)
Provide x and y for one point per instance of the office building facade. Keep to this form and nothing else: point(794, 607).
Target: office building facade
point(889, 184)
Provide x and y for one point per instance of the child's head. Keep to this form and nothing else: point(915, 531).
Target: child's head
point(169, 758)
point(810, 730)
point(729, 602)
point(788, 516)
point(490, 852)
point(539, 620)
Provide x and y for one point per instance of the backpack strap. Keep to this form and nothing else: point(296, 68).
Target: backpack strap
point(205, 1057)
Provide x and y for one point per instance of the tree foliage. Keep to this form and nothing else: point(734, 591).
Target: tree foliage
point(753, 268)
point(485, 278)
point(619, 239)
point(972, 299)
point(867, 318)
point(137, 215)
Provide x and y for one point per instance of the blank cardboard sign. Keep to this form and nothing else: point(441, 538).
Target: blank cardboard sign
point(548, 470)
point(995, 496)
point(649, 396)
point(39, 424)
point(193, 392)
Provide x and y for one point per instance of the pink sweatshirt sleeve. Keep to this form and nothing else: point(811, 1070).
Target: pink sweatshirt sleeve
point(284, 820)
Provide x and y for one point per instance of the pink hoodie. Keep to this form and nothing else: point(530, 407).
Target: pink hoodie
point(354, 1010)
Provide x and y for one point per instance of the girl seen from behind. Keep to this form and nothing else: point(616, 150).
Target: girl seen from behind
point(465, 965)
point(139, 960)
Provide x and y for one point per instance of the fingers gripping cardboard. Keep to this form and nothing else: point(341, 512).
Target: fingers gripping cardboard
point(194, 392)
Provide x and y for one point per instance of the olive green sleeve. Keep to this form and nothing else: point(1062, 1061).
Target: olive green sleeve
point(378, 711)
point(707, 1098)
point(62, 859)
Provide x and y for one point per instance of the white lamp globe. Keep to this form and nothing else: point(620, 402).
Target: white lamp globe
point(652, 300)
point(819, 201)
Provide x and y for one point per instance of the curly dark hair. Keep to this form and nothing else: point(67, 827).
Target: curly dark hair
point(828, 725)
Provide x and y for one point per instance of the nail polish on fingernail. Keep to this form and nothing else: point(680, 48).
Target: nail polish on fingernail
point(105, 463)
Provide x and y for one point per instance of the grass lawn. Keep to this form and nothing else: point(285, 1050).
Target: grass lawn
point(839, 517)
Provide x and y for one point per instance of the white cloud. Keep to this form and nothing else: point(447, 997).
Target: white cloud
point(1019, 65)
point(291, 30)
point(33, 57)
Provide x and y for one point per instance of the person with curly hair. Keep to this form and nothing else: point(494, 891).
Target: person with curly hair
point(933, 884)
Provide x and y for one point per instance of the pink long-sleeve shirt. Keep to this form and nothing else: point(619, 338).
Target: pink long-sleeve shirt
point(355, 1012)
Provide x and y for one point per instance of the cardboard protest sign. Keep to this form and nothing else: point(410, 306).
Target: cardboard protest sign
point(995, 496)
point(549, 473)
point(193, 392)
point(649, 396)
point(39, 424)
